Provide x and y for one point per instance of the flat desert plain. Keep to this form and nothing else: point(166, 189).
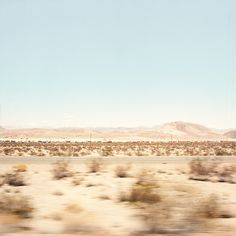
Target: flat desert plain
point(94, 197)
point(99, 149)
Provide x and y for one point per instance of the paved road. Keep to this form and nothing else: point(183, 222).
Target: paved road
point(113, 160)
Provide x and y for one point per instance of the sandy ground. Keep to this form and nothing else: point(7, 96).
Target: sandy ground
point(93, 207)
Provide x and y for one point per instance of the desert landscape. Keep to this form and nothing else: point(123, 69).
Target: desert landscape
point(172, 131)
point(116, 149)
point(59, 182)
point(170, 139)
point(97, 198)
point(117, 118)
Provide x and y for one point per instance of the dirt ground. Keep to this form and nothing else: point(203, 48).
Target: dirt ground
point(93, 199)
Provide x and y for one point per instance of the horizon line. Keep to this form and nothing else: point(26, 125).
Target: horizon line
point(110, 127)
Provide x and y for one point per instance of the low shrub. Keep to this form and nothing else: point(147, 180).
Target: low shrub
point(143, 191)
point(202, 168)
point(61, 169)
point(107, 151)
point(122, 171)
point(212, 171)
point(13, 178)
point(164, 217)
point(145, 194)
point(17, 204)
point(21, 168)
point(94, 166)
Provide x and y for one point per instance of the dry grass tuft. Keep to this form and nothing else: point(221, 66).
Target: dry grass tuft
point(62, 169)
point(147, 178)
point(212, 171)
point(145, 190)
point(145, 194)
point(21, 168)
point(121, 171)
point(165, 218)
point(16, 204)
point(156, 218)
point(226, 173)
point(107, 151)
point(210, 208)
point(202, 168)
point(13, 178)
point(95, 166)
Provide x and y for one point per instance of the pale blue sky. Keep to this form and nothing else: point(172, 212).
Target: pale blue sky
point(117, 62)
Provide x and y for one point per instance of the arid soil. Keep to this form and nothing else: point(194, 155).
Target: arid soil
point(94, 198)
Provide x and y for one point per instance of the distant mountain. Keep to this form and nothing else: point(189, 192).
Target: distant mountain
point(231, 134)
point(187, 130)
point(170, 131)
